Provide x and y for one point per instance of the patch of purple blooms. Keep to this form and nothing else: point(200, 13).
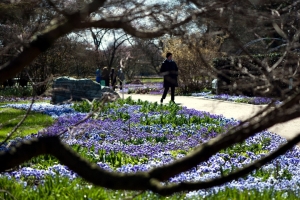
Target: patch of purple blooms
point(20, 99)
point(162, 144)
point(239, 98)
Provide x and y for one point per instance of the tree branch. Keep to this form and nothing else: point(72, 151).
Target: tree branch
point(74, 21)
point(90, 172)
point(171, 189)
point(44, 41)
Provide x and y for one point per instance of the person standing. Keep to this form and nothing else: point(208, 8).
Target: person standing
point(169, 70)
point(105, 76)
point(121, 77)
point(98, 76)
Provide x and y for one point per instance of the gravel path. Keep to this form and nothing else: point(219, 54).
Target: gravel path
point(228, 109)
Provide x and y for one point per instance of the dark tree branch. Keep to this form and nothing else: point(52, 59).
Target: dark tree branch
point(68, 157)
point(171, 189)
point(42, 42)
point(76, 21)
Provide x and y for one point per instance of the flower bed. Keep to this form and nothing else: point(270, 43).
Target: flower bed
point(20, 99)
point(238, 99)
point(130, 136)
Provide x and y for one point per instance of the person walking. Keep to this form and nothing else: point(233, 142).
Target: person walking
point(169, 70)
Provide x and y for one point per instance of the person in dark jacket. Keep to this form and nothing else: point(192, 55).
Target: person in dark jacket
point(169, 70)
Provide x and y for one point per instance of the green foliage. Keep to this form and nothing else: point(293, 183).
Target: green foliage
point(41, 162)
point(170, 117)
point(278, 174)
point(175, 153)
point(179, 120)
point(145, 107)
point(234, 194)
point(34, 122)
point(257, 148)
point(62, 188)
point(243, 148)
point(114, 159)
point(16, 92)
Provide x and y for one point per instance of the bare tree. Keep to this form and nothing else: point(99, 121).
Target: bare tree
point(152, 20)
point(151, 51)
point(108, 54)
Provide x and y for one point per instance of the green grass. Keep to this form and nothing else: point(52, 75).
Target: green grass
point(34, 122)
point(152, 80)
point(62, 188)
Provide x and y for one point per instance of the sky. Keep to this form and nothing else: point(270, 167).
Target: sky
point(109, 38)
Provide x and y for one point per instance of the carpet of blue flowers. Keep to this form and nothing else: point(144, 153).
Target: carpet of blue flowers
point(130, 136)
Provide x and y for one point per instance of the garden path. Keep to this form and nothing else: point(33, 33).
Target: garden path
point(240, 111)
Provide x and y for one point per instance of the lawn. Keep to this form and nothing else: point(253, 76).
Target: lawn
point(130, 136)
point(34, 122)
point(152, 80)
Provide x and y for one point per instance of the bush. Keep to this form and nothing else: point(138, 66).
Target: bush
point(16, 91)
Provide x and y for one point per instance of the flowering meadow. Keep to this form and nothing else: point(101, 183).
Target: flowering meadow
point(129, 136)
